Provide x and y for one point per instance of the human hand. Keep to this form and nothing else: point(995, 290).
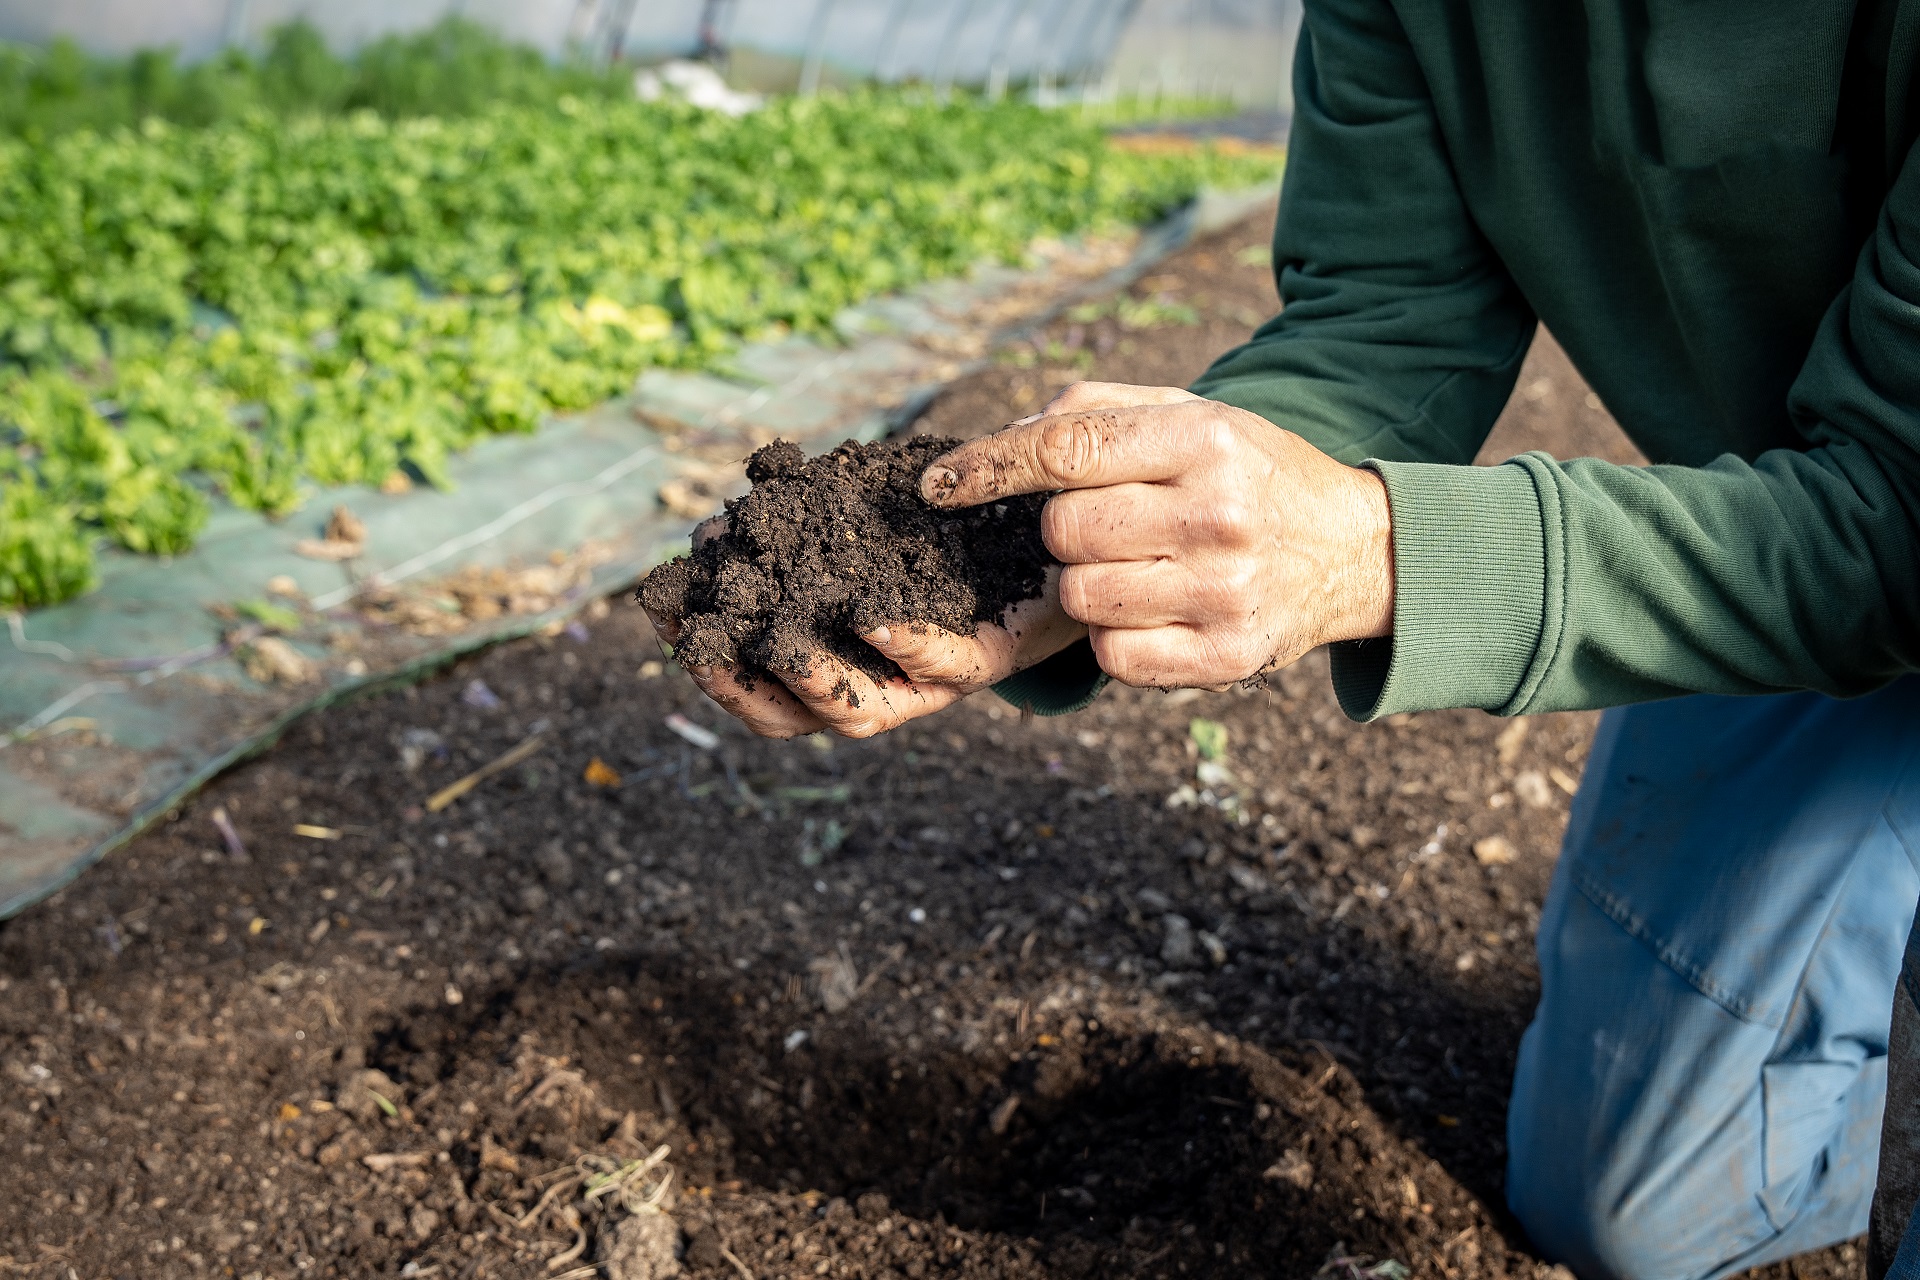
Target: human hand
point(940, 668)
point(1202, 544)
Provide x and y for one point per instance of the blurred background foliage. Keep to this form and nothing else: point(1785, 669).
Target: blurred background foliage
point(236, 279)
point(453, 68)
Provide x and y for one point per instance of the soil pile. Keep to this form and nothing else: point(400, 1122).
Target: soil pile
point(825, 549)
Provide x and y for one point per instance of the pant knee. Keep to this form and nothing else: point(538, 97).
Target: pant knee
point(1602, 1237)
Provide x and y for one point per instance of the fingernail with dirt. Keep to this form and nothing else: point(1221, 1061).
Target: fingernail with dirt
point(938, 483)
point(880, 637)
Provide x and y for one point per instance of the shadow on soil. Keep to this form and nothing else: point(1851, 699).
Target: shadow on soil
point(1117, 1145)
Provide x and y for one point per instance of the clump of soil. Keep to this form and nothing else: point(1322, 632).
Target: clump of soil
point(825, 549)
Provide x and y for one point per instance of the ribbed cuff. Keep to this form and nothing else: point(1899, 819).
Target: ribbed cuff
point(1470, 590)
point(1068, 681)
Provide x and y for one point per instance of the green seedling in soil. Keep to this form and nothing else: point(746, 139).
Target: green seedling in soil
point(839, 793)
point(1209, 738)
point(273, 617)
point(1134, 314)
point(1341, 1266)
point(815, 850)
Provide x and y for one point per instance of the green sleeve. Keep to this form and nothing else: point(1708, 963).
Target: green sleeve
point(1594, 585)
point(1055, 686)
point(1401, 333)
point(1539, 585)
point(1796, 570)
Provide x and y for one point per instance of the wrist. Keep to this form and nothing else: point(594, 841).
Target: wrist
point(1365, 593)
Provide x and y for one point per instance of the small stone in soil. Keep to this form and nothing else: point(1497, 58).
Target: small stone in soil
point(642, 1247)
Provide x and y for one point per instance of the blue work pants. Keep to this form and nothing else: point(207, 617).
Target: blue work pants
point(1701, 1088)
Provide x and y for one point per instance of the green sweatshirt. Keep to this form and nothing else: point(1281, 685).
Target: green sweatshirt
point(1715, 207)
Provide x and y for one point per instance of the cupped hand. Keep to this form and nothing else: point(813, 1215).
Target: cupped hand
point(939, 668)
point(1203, 545)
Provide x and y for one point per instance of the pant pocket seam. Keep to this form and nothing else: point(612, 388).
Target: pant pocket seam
point(1694, 975)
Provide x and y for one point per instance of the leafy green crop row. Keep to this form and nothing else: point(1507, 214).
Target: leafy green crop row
point(454, 68)
point(238, 308)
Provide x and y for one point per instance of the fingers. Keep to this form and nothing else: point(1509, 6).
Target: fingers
point(707, 530)
point(1128, 594)
point(850, 703)
point(1066, 451)
point(933, 655)
point(1123, 522)
point(768, 709)
point(1179, 657)
point(1082, 396)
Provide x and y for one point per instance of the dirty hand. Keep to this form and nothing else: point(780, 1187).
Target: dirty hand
point(1202, 544)
point(941, 668)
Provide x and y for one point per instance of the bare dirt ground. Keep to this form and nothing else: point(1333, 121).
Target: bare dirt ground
point(984, 998)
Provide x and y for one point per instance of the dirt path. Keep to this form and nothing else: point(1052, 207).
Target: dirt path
point(984, 998)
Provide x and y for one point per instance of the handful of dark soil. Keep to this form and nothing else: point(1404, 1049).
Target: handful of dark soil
point(825, 549)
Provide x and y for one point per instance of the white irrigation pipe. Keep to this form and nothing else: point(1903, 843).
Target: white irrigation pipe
point(18, 626)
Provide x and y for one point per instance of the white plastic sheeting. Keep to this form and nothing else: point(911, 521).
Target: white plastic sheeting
point(1238, 48)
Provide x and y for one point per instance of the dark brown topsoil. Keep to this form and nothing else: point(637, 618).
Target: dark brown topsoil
point(981, 998)
point(823, 550)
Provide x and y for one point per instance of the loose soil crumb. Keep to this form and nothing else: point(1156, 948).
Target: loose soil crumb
point(824, 550)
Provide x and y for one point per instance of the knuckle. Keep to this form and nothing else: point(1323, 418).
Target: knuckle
point(1076, 594)
point(1120, 659)
point(1057, 523)
point(904, 644)
point(1218, 437)
point(1069, 448)
point(1216, 597)
point(927, 668)
point(948, 668)
point(1109, 653)
point(923, 655)
point(1234, 584)
point(1072, 398)
point(843, 719)
point(1063, 527)
point(1231, 517)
